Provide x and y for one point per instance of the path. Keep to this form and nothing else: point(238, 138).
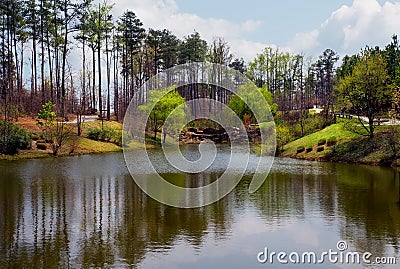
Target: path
point(382, 121)
point(85, 118)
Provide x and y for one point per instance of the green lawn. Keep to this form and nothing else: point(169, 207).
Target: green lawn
point(338, 131)
point(349, 147)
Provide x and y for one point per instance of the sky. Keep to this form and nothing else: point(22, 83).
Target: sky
point(298, 26)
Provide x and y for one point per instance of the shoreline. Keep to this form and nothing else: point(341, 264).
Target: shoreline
point(34, 154)
point(346, 147)
point(327, 160)
point(29, 155)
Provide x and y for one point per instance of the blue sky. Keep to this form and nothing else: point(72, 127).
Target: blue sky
point(299, 26)
point(281, 19)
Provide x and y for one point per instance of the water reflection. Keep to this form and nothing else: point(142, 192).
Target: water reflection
point(90, 214)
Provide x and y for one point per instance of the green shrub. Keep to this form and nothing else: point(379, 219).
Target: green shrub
point(321, 142)
point(13, 138)
point(107, 134)
point(320, 149)
point(117, 137)
point(94, 133)
point(283, 136)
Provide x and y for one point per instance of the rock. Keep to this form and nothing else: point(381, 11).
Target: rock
point(41, 146)
point(209, 131)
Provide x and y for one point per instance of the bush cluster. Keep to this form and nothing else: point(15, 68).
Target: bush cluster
point(106, 134)
point(13, 138)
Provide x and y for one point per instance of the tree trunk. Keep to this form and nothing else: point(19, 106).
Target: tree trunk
point(83, 104)
point(64, 61)
point(42, 50)
point(50, 67)
point(21, 75)
point(79, 122)
point(371, 127)
point(34, 70)
point(94, 81)
point(99, 69)
point(108, 81)
point(99, 63)
point(116, 95)
point(17, 68)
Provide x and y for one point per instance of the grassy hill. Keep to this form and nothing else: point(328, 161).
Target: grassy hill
point(337, 143)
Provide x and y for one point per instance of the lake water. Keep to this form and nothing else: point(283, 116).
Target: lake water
point(87, 212)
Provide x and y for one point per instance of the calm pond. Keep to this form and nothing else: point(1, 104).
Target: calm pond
point(87, 212)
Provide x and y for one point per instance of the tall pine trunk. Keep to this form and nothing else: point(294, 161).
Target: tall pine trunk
point(43, 52)
point(64, 61)
point(83, 105)
point(108, 81)
point(99, 63)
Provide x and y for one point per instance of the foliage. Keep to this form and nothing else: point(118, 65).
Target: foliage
point(309, 123)
point(13, 138)
point(376, 150)
point(219, 52)
point(391, 136)
point(392, 56)
point(193, 49)
point(46, 116)
point(55, 131)
point(283, 136)
point(160, 105)
point(249, 94)
point(367, 88)
point(107, 134)
point(61, 133)
point(347, 66)
point(203, 123)
point(396, 103)
point(50, 29)
point(12, 111)
point(164, 47)
point(324, 68)
point(45, 119)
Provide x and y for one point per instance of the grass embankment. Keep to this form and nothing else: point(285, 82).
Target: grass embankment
point(82, 145)
point(339, 144)
point(75, 145)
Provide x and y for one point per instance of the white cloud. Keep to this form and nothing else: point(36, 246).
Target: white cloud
point(251, 26)
point(305, 41)
point(247, 49)
point(351, 28)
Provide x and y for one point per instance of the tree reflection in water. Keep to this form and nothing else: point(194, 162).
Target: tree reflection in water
point(52, 218)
